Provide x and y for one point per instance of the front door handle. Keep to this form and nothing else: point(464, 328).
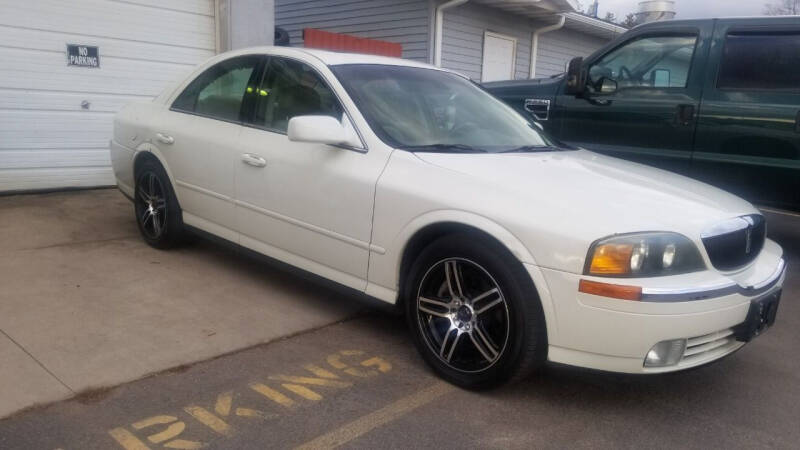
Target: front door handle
point(166, 139)
point(684, 115)
point(253, 160)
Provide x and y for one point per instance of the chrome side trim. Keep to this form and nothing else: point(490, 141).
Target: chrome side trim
point(708, 292)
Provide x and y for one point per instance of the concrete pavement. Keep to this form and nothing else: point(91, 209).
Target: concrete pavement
point(84, 303)
point(355, 383)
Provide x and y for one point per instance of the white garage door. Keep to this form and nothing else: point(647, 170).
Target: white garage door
point(499, 55)
point(55, 119)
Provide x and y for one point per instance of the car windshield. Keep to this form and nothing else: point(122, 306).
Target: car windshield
point(419, 109)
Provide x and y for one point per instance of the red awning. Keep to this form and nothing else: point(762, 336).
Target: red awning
point(326, 40)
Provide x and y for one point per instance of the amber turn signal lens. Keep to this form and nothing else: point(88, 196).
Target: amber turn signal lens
point(610, 290)
point(611, 259)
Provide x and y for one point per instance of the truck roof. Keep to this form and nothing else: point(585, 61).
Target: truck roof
point(754, 20)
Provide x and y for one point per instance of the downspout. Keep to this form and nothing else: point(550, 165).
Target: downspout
point(437, 29)
point(535, 42)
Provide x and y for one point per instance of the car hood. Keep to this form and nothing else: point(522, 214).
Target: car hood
point(577, 197)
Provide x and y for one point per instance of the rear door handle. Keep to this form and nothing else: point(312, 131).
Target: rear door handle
point(166, 139)
point(253, 160)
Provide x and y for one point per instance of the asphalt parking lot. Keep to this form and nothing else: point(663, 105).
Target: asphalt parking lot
point(351, 378)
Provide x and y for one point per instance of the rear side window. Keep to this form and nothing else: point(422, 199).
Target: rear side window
point(218, 92)
point(289, 89)
point(760, 61)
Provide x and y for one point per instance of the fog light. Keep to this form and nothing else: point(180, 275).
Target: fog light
point(665, 353)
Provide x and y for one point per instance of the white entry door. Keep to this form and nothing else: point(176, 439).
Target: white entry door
point(499, 54)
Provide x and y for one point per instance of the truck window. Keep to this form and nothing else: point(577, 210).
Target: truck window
point(760, 61)
point(647, 62)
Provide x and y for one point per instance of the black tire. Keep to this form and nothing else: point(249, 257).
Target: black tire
point(479, 261)
point(158, 214)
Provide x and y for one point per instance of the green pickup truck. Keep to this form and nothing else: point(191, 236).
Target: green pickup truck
point(715, 99)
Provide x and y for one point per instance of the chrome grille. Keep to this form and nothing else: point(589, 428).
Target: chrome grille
point(735, 243)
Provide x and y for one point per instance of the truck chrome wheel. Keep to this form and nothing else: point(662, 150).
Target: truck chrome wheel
point(151, 205)
point(462, 315)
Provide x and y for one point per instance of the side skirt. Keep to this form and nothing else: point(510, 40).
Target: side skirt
point(360, 296)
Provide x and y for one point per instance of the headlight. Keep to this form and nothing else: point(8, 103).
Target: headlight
point(643, 255)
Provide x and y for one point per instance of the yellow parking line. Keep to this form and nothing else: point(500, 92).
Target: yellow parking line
point(272, 394)
point(369, 422)
point(127, 440)
point(303, 391)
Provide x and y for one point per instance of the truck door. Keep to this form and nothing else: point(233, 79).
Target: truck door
point(748, 132)
point(641, 98)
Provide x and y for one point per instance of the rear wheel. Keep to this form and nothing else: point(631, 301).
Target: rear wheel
point(157, 212)
point(473, 312)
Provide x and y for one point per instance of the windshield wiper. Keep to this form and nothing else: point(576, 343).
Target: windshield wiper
point(443, 148)
point(531, 149)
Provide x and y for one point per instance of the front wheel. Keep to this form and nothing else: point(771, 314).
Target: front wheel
point(473, 312)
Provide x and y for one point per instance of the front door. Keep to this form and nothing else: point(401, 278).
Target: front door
point(748, 134)
point(307, 204)
point(640, 102)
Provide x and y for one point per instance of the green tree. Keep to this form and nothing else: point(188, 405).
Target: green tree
point(610, 17)
point(630, 21)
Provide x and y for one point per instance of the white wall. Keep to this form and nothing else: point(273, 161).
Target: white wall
point(47, 140)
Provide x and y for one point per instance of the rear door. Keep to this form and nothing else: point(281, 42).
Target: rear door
point(198, 136)
point(649, 117)
point(748, 134)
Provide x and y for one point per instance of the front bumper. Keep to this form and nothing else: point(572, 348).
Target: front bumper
point(615, 335)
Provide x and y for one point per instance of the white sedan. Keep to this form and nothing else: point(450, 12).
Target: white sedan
point(411, 185)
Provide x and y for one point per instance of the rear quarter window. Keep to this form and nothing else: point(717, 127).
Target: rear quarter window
point(760, 61)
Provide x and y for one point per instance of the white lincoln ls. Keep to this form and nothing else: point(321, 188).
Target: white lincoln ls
point(410, 184)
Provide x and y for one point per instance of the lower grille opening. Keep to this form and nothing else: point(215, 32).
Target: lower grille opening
point(709, 345)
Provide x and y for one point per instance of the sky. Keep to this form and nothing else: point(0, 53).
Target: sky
point(688, 9)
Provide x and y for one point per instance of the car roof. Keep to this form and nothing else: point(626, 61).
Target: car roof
point(332, 58)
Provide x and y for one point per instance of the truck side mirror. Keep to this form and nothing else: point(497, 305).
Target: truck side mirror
point(576, 77)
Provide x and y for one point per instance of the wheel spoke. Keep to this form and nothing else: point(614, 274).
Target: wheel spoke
point(427, 310)
point(453, 346)
point(489, 306)
point(434, 302)
point(484, 295)
point(146, 216)
point(454, 280)
point(143, 195)
point(156, 225)
point(483, 345)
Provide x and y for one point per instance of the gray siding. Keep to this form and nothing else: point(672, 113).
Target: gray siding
point(403, 21)
point(462, 48)
point(557, 47)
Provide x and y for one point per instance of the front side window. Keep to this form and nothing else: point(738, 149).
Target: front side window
point(291, 88)
point(218, 92)
point(423, 109)
point(647, 62)
point(760, 61)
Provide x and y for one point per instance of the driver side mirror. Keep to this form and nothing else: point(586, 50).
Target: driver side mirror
point(576, 77)
point(318, 129)
point(608, 86)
